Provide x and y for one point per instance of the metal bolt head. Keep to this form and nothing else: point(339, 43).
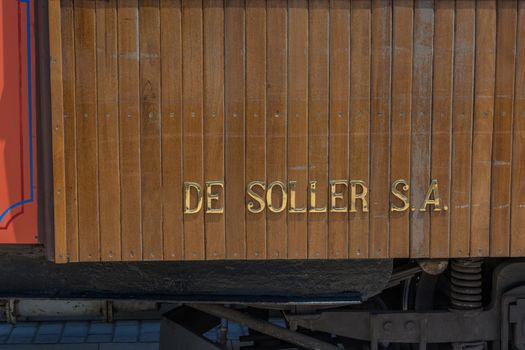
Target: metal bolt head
point(387, 326)
point(410, 326)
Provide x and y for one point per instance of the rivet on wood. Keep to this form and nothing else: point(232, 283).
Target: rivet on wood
point(150, 115)
point(255, 115)
point(235, 115)
point(340, 115)
point(172, 115)
point(485, 114)
point(380, 114)
point(66, 116)
point(276, 115)
point(421, 114)
point(402, 114)
point(108, 115)
point(503, 114)
point(85, 115)
point(193, 114)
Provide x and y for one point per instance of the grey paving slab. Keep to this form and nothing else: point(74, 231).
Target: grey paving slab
point(126, 332)
point(49, 333)
point(22, 333)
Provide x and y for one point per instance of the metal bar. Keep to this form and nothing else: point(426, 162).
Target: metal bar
point(264, 327)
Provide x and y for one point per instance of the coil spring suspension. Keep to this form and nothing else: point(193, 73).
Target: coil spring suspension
point(466, 284)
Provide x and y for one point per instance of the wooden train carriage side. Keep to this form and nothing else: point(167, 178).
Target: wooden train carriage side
point(321, 129)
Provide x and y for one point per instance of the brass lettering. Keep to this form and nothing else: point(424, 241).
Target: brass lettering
point(432, 197)
point(255, 196)
point(269, 195)
point(211, 196)
point(354, 196)
point(400, 195)
point(293, 206)
point(188, 186)
point(313, 204)
point(335, 196)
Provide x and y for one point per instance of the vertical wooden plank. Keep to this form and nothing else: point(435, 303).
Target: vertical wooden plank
point(129, 117)
point(68, 86)
point(108, 132)
point(276, 120)
point(442, 123)
point(380, 128)
point(318, 102)
point(171, 106)
point(403, 28)
point(150, 147)
point(360, 119)
point(298, 126)
point(421, 127)
point(462, 128)
point(87, 148)
point(483, 124)
point(57, 111)
point(192, 87)
point(503, 119)
point(214, 121)
point(234, 119)
point(518, 157)
point(339, 120)
point(255, 120)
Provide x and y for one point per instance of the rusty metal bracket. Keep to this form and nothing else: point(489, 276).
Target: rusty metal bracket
point(502, 321)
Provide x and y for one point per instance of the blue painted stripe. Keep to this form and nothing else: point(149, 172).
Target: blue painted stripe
point(30, 113)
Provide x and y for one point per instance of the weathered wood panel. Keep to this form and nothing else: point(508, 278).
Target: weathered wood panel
point(231, 129)
point(255, 120)
point(339, 118)
point(129, 118)
point(442, 122)
point(108, 130)
point(192, 121)
point(462, 115)
point(500, 230)
point(86, 130)
point(381, 52)
point(517, 228)
point(214, 122)
point(318, 88)
point(360, 41)
point(68, 86)
point(171, 62)
point(402, 54)
point(483, 126)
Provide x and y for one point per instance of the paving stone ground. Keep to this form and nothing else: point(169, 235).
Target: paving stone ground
point(81, 335)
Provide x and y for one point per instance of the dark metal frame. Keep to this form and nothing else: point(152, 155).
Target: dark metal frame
point(501, 323)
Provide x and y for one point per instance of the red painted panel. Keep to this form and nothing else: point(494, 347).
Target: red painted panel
point(18, 192)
